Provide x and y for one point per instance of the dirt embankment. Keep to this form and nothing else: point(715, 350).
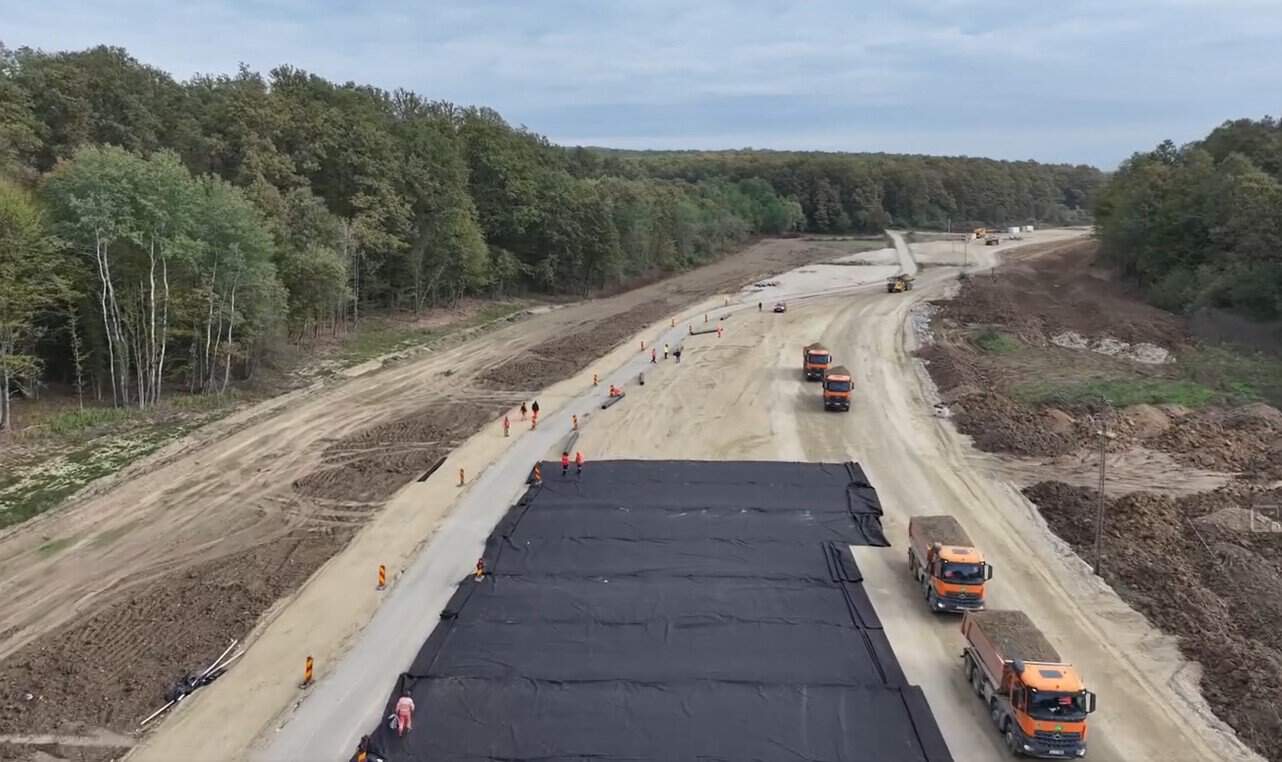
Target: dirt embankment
point(1026, 355)
point(1205, 567)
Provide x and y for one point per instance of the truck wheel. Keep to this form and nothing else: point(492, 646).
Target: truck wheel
point(912, 567)
point(995, 712)
point(976, 680)
point(1011, 742)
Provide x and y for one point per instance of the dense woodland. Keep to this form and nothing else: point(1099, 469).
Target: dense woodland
point(1201, 225)
point(157, 235)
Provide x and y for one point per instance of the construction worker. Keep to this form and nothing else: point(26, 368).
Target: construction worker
point(665, 351)
point(719, 329)
point(507, 427)
point(578, 461)
point(522, 411)
point(565, 463)
point(404, 713)
point(653, 356)
point(534, 415)
point(534, 408)
point(677, 354)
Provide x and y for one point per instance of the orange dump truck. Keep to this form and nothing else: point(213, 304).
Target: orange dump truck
point(815, 359)
point(1038, 702)
point(837, 388)
point(943, 560)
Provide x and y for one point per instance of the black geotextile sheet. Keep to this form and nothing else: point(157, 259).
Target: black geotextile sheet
point(670, 610)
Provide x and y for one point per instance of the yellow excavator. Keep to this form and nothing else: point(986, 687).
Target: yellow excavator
point(897, 283)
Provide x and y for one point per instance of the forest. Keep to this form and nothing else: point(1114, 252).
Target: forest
point(1201, 225)
point(156, 235)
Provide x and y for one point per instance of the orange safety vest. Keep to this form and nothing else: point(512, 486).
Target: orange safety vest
point(565, 459)
point(578, 458)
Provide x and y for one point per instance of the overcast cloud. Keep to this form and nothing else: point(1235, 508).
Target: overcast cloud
point(1087, 81)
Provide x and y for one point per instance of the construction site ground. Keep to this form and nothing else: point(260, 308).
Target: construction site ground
point(742, 396)
point(151, 573)
point(737, 396)
point(1191, 532)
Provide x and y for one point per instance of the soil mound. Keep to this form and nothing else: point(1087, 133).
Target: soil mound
point(1206, 568)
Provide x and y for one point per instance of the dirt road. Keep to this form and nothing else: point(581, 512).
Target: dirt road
point(742, 397)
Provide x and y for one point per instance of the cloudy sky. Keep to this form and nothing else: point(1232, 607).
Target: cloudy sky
point(1073, 80)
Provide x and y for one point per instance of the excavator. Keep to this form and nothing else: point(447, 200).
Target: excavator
point(898, 283)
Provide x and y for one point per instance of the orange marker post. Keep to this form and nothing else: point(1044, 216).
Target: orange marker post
point(307, 673)
point(382, 577)
point(594, 379)
point(460, 477)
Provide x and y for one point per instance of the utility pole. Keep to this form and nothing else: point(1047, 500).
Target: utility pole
point(1104, 435)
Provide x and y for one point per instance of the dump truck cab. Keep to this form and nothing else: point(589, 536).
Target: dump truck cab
point(815, 359)
point(1039, 704)
point(836, 392)
point(952, 572)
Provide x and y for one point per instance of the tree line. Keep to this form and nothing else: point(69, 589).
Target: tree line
point(1201, 225)
point(158, 234)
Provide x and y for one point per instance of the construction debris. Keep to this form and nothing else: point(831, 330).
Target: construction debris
point(189, 683)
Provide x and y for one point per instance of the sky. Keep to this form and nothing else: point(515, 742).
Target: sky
point(1080, 81)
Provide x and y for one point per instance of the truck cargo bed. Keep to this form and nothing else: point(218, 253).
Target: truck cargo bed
point(944, 530)
point(1015, 636)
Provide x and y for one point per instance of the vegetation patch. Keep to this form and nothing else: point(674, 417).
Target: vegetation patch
point(383, 337)
point(991, 340)
point(56, 546)
point(1118, 392)
point(1244, 376)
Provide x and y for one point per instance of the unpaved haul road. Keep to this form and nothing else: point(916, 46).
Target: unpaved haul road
point(742, 396)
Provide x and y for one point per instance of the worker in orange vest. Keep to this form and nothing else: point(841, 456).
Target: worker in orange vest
point(578, 461)
point(404, 713)
point(507, 426)
point(565, 463)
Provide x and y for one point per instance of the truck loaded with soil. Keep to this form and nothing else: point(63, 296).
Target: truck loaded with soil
point(1049, 361)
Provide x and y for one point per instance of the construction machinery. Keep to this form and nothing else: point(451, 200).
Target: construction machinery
point(898, 283)
point(1038, 702)
point(943, 560)
point(980, 233)
point(815, 359)
point(836, 391)
point(992, 240)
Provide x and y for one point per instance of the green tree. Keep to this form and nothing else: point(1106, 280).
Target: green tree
point(30, 285)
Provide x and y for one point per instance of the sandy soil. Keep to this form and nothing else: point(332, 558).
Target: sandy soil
point(190, 547)
point(742, 396)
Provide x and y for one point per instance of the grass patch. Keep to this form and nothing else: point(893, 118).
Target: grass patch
point(38, 488)
point(994, 341)
point(71, 422)
point(55, 546)
point(375, 339)
point(1242, 376)
point(1120, 392)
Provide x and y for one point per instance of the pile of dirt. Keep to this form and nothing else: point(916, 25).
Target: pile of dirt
point(369, 466)
point(113, 669)
point(1063, 291)
point(945, 530)
point(1015, 635)
point(1247, 439)
point(1199, 567)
